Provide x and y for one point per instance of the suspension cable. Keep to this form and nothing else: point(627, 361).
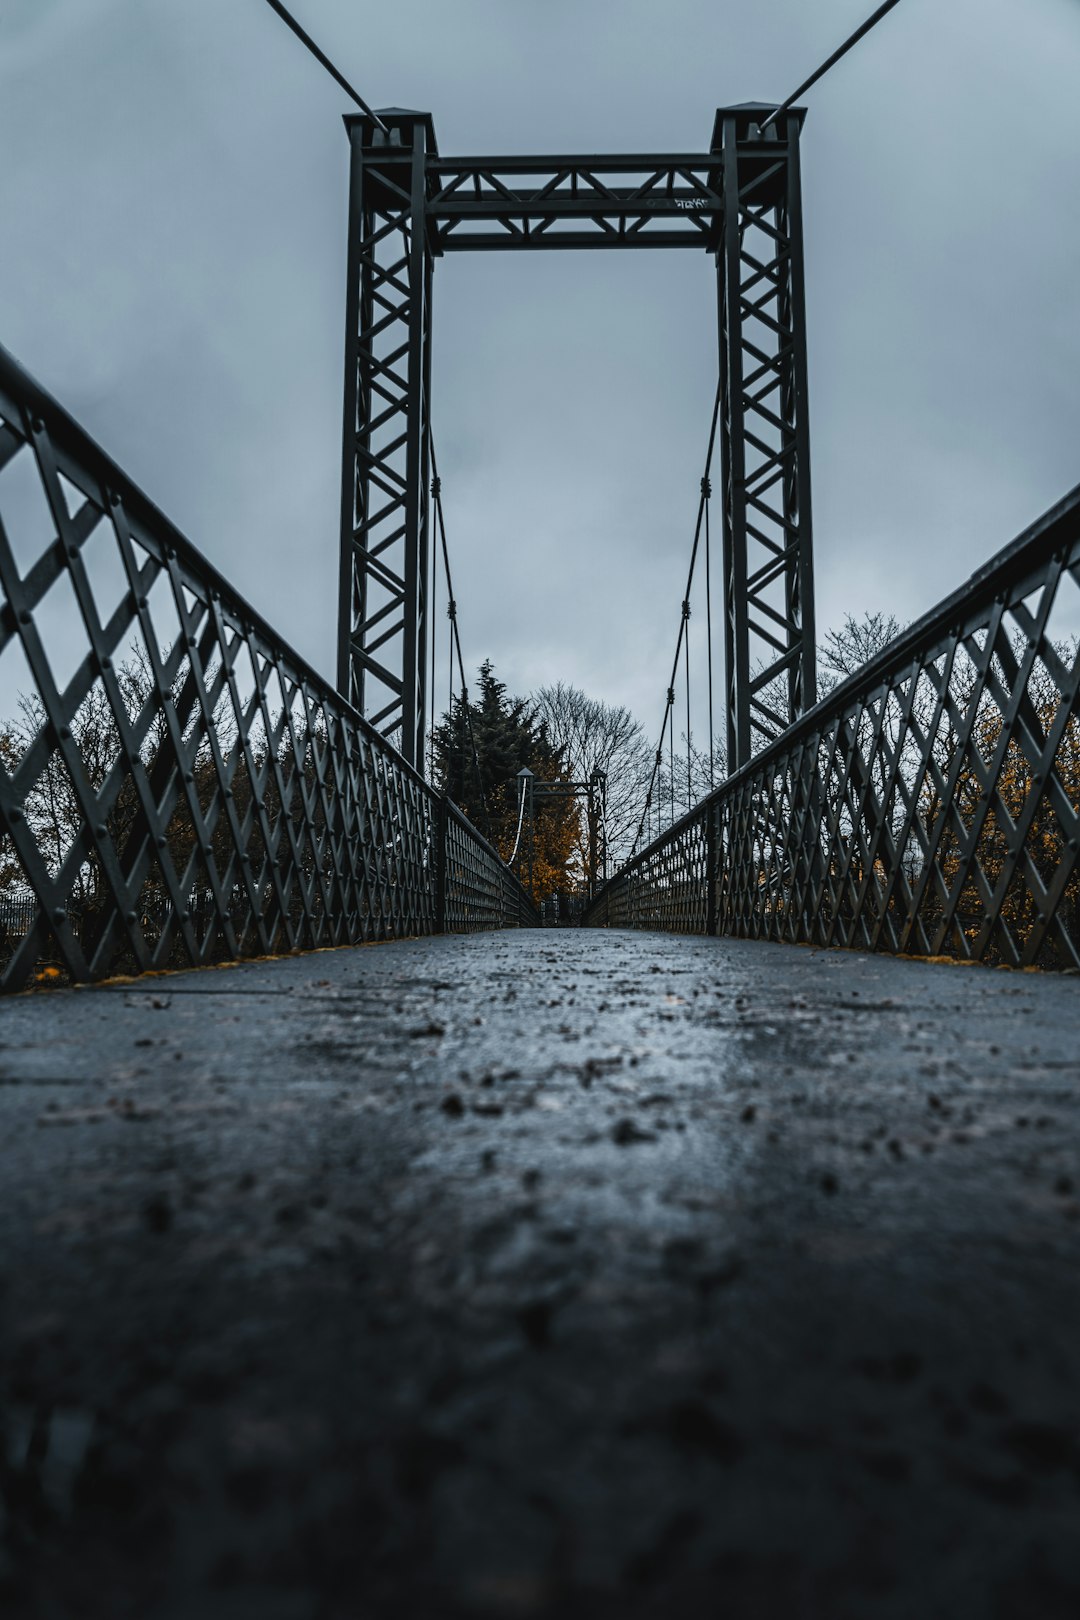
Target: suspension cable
point(450, 680)
point(671, 755)
point(686, 658)
point(669, 707)
point(431, 603)
point(451, 613)
point(706, 490)
point(320, 57)
point(831, 62)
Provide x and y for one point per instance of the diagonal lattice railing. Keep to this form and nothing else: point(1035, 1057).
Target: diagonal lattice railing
point(176, 785)
point(930, 805)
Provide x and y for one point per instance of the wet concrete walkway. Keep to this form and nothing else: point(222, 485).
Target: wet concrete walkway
point(543, 1274)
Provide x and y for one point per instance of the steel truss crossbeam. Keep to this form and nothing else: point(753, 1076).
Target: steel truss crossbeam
point(573, 202)
point(408, 206)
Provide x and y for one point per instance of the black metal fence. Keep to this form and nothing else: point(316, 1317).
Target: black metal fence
point(475, 885)
point(563, 910)
point(930, 805)
point(176, 785)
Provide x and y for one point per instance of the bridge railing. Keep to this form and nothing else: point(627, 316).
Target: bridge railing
point(476, 885)
point(177, 786)
point(929, 805)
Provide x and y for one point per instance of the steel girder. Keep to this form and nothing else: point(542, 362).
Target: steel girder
point(382, 597)
point(573, 202)
point(770, 658)
point(408, 206)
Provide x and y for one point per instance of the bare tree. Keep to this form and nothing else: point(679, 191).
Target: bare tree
point(595, 736)
point(54, 811)
point(844, 651)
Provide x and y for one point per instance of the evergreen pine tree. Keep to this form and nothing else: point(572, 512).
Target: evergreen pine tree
point(508, 735)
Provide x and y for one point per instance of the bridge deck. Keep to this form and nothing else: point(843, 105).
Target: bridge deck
point(536, 1274)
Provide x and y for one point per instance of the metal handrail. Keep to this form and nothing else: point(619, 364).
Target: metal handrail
point(224, 764)
point(957, 832)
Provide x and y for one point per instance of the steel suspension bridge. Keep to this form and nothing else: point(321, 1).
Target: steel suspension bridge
point(623, 1169)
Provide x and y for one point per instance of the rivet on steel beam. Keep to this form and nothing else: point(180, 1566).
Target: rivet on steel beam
point(131, 916)
point(25, 617)
point(17, 815)
point(188, 776)
point(106, 662)
point(101, 830)
point(59, 915)
point(161, 840)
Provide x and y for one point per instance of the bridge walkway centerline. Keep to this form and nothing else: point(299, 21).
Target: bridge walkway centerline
point(601, 1272)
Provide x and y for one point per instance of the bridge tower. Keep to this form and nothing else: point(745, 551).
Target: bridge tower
point(770, 644)
point(385, 523)
point(739, 201)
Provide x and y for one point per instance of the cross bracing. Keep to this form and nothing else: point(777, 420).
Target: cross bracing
point(738, 201)
point(572, 202)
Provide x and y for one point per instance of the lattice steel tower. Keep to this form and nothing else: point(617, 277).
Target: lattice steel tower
point(739, 201)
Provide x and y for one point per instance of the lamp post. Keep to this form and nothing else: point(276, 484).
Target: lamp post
point(527, 779)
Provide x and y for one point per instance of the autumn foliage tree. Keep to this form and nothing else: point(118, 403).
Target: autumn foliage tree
point(479, 748)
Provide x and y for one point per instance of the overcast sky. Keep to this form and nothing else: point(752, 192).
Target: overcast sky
point(173, 196)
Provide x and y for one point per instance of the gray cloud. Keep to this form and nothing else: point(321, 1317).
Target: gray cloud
point(173, 193)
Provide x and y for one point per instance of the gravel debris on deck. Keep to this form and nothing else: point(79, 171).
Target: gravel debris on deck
point(560, 1273)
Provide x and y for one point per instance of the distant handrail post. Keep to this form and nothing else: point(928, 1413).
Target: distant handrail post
point(711, 871)
point(442, 839)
